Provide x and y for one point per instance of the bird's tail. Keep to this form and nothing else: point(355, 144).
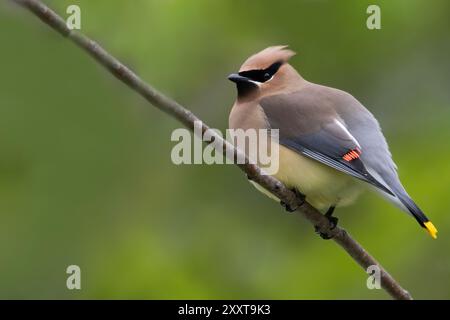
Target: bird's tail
point(415, 211)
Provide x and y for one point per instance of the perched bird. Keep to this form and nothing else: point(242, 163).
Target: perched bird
point(330, 146)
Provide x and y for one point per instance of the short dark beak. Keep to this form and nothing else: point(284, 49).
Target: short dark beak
point(236, 78)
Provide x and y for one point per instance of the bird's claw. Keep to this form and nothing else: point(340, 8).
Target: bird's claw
point(300, 197)
point(287, 207)
point(324, 236)
point(333, 224)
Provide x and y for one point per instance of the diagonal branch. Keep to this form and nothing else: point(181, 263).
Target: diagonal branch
point(171, 107)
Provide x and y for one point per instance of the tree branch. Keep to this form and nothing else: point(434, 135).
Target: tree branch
point(171, 107)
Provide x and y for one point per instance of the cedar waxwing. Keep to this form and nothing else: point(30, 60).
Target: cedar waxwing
point(328, 141)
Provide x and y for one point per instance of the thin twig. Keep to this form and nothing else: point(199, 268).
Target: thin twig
point(171, 107)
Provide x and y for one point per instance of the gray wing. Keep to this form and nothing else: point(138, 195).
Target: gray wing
point(376, 155)
point(309, 125)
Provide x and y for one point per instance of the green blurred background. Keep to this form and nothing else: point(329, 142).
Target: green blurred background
point(85, 170)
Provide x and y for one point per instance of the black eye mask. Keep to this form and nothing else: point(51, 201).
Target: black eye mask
point(262, 75)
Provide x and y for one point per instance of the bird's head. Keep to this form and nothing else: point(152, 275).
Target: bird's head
point(266, 72)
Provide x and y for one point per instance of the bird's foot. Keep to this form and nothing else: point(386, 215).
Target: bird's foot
point(333, 221)
point(333, 224)
point(300, 197)
point(324, 236)
point(287, 207)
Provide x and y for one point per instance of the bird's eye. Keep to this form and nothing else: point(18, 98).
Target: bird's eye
point(261, 75)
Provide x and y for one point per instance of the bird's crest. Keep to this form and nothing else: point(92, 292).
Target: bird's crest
point(267, 57)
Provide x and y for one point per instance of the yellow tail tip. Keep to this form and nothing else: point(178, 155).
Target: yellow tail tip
point(431, 229)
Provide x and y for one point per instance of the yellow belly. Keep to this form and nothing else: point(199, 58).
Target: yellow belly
point(323, 186)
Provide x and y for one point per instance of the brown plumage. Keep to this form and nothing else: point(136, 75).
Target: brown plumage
point(331, 146)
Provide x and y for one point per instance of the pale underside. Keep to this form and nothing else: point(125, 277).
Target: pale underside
point(323, 186)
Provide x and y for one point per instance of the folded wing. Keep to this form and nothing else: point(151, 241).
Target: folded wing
point(314, 130)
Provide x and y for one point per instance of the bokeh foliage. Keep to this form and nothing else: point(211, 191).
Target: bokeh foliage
point(85, 170)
